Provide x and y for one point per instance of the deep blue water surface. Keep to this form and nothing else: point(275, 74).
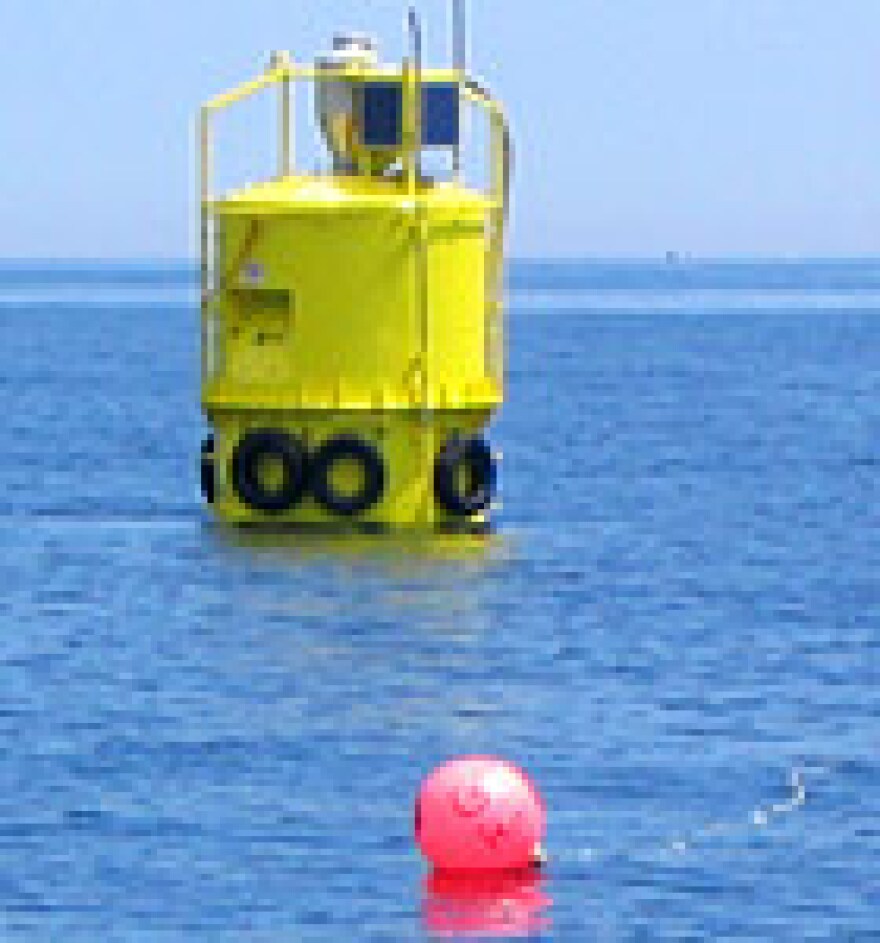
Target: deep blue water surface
point(211, 736)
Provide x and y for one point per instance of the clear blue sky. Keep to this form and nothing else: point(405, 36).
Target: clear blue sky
point(705, 126)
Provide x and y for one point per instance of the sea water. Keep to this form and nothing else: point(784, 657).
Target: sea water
point(211, 735)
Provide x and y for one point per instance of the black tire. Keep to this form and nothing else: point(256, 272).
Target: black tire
point(467, 457)
point(348, 448)
point(208, 478)
point(253, 449)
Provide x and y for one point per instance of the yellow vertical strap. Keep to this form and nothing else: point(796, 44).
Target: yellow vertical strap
point(279, 72)
point(492, 253)
point(501, 157)
point(408, 132)
point(420, 208)
point(205, 187)
point(291, 117)
point(413, 172)
point(285, 144)
point(457, 170)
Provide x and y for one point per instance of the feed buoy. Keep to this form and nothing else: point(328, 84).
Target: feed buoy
point(480, 814)
point(464, 475)
point(359, 291)
point(269, 470)
point(347, 494)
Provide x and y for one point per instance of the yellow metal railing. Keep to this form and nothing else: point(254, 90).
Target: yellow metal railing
point(284, 73)
point(501, 159)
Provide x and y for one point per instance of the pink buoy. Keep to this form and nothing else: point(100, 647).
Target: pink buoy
point(480, 813)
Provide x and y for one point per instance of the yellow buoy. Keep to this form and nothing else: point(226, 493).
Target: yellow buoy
point(352, 320)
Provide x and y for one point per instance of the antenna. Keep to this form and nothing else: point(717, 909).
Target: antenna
point(415, 37)
point(458, 39)
point(415, 54)
point(458, 43)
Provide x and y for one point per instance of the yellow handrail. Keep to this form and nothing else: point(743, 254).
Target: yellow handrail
point(282, 70)
point(501, 156)
point(272, 75)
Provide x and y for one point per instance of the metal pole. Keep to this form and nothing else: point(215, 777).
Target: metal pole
point(421, 246)
point(280, 61)
point(458, 43)
point(284, 105)
point(415, 43)
point(459, 35)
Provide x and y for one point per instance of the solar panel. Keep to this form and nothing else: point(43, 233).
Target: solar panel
point(383, 114)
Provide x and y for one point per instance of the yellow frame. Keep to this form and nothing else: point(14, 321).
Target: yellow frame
point(283, 71)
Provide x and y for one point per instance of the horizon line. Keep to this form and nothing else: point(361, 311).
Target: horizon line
point(671, 259)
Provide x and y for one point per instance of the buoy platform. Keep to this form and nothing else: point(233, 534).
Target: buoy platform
point(352, 319)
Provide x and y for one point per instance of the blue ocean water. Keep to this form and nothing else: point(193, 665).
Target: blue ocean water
point(210, 735)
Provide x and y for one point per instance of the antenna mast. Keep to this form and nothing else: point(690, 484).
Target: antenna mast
point(459, 35)
point(458, 43)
